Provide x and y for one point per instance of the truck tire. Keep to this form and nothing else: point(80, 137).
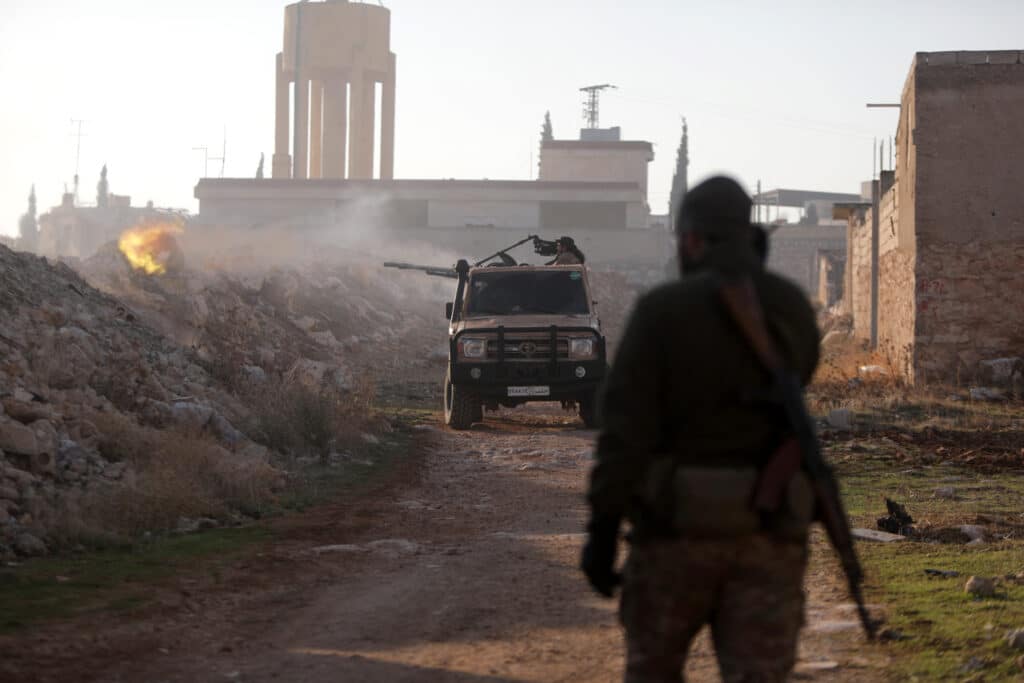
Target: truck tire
point(461, 408)
point(588, 410)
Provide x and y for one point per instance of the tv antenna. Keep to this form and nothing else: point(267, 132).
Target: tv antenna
point(223, 153)
point(592, 104)
point(78, 151)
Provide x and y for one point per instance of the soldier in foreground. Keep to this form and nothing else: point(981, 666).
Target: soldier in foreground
point(692, 429)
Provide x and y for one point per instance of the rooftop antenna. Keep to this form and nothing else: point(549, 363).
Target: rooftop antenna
point(78, 151)
point(592, 105)
point(223, 153)
point(206, 159)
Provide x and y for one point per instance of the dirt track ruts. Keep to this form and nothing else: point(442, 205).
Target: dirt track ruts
point(466, 573)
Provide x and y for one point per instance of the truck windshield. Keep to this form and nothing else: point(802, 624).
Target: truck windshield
point(552, 292)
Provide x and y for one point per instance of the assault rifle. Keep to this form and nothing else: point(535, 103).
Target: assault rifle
point(803, 450)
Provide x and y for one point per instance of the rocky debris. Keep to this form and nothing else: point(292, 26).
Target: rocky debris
point(980, 587)
point(185, 352)
point(942, 573)
point(28, 545)
point(1015, 639)
point(877, 536)
point(191, 526)
point(974, 533)
point(1006, 373)
point(986, 394)
point(946, 493)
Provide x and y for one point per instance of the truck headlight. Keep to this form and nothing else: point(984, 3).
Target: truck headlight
point(473, 348)
point(582, 347)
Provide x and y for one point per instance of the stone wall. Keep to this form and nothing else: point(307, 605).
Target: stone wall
point(896, 282)
point(858, 262)
point(962, 137)
point(966, 307)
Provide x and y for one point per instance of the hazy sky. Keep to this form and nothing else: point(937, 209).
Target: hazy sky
point(772, 90)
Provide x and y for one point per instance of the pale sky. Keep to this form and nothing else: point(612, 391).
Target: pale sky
point(772, 90)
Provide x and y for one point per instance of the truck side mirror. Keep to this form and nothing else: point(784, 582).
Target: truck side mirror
point(449, 308)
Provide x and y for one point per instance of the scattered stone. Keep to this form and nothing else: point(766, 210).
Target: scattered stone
point(187, 525)
point(877, 536)
point(973, 664)
point(28, 545)
point(973, 532)
point(986, 394)
point(872, 371)
point(980, 587)
point(393, 547)
point(340, 548)
point(943, 573)
point(892, 634)
point(1001, 372)
point(17, 438)
point(841, 419)
point(1015, 639)
point(946, 493)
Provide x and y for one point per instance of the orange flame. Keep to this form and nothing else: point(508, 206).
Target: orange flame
point(149, 247)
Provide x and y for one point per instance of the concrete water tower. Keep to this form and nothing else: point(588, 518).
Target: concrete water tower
point(335, 53)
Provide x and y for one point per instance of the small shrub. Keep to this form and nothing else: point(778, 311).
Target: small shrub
point(300, 420)
point(172, 474)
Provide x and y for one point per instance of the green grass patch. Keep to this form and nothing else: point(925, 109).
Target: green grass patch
point(949, 635)
point(945, 628)
point(115, 579)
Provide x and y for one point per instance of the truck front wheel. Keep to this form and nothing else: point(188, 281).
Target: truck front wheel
point(461, 407)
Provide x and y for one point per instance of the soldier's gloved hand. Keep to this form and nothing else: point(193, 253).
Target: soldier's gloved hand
point(598, 560)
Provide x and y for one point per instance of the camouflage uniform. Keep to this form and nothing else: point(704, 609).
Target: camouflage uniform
point(685, 384)
point(749, 590)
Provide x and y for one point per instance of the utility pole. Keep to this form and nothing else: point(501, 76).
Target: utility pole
point(592, 104)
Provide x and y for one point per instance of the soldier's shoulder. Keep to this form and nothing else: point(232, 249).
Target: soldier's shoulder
point(782, 289)
point(672, 293)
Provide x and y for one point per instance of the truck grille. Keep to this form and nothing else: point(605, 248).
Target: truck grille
point(517, 349)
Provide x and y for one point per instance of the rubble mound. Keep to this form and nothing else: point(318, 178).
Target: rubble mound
point(131, 402)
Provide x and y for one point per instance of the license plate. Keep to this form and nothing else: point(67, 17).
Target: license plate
point(529, 391)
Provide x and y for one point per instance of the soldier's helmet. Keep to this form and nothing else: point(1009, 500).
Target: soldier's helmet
point(717, 209)
point(566, 242)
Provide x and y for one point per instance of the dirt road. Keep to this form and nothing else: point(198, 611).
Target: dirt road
point(463, 572)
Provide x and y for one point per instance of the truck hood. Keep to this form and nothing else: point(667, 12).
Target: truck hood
point(512, 322)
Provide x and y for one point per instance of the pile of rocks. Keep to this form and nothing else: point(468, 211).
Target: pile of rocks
point(96, 338)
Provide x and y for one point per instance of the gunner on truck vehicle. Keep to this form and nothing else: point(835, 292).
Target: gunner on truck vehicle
point(568, 254)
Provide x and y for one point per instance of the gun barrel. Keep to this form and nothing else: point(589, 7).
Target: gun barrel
point(429, 270)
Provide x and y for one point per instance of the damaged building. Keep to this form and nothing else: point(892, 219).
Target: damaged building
point(934, 258)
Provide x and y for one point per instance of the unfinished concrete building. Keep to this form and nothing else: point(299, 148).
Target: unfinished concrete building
point(936, 260)
point(335, 53)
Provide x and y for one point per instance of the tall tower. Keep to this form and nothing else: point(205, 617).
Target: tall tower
point(680, 179)
point(335, 53)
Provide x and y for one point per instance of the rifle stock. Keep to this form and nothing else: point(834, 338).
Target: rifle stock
point(744, 308)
